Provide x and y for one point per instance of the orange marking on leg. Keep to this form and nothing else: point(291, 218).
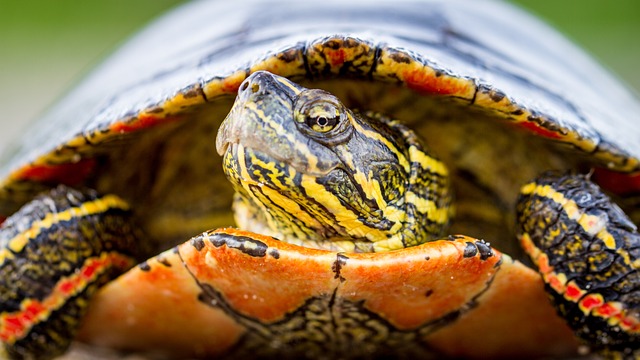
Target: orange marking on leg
point(615, 319)
point(31, 311)
point(15, 326)
point(590, 302)
point(612, 311)
point(67, 287)
point(543, 264)
point(627, 323)
point(607, 310)
point(89, 271)
point(555, 282)
point(10, 325)
point(529, 247)
point(573, 292)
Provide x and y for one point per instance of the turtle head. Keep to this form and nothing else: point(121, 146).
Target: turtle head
point(310, 171)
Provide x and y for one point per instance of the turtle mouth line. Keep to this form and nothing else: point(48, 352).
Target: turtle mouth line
point(263, 152)
point(223, 146)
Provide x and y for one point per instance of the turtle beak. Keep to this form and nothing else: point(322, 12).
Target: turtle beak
point(225, 133)
point(230, 129)
point(237, 126)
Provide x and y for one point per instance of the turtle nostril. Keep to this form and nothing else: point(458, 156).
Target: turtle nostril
point(250, 84)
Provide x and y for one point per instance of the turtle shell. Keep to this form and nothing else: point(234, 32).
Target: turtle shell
point(487, 78)
point(469, 57)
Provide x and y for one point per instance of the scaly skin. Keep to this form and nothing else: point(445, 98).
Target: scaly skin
point(54, 254)
point(588, 253)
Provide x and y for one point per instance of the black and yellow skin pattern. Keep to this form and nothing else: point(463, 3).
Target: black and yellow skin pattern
point(54, 254)
point(310, 171)
point(588, 253)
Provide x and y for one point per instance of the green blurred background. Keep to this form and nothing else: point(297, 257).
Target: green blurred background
point(46, 45)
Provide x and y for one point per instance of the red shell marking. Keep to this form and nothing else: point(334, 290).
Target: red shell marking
point(336, 57)
point(139, 123)
point(67, 173)
point(539, 130)
point(425, 82)
point(617, 182)
point(231, 84)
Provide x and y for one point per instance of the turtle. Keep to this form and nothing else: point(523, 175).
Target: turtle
point(357, 139)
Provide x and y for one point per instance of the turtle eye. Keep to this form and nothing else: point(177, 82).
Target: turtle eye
point(322, 122)
point(322, 116)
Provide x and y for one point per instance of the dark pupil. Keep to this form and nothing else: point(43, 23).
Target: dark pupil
point(322, 121)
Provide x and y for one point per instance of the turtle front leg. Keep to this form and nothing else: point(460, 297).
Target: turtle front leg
point(55, 252)
point(588, 253)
